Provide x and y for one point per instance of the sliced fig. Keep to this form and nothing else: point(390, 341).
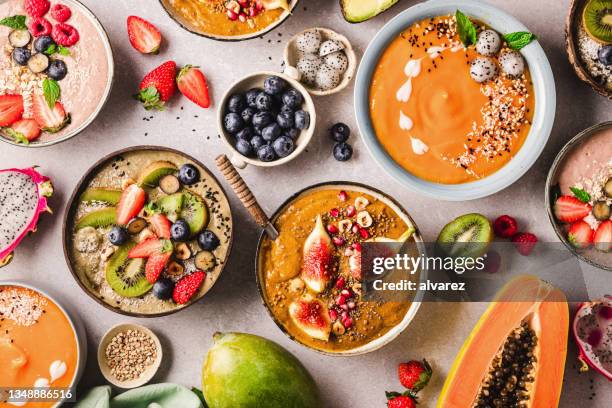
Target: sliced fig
point(592, 331)
point(311, 316)
point(318, 258)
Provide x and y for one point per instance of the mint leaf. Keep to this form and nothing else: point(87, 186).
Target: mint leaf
point(519, 39)
point(59, 49)
point(581, 194)
point(52, 49)
point(51, 91)
point(465, 29)
point(15, 22)
point(63, 50)
point(18, 136)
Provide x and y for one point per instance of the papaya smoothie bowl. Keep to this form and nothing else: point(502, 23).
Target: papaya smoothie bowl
point(27, 315)
point(56, 72)
point(311, 279)
point(455, 99)
point(147, 231)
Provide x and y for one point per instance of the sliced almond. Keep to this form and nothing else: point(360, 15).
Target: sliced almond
point(361, 203)
point(364, 219)
point(345, 225)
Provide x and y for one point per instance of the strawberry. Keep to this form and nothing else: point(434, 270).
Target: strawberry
point(414, 375)
point(61, 12)
point(580, 234)
point(11, 109)
point(36, 8)
point(131, 202)
point(144, 36)
point(158, 86)
point(397, 400)
point(27, 129)
point(505, 226)
point(160, 225)
point(569, 209)
point(187, 287)
point(150, 246)
point(50, 120)
point(603, 236)
point(192, 83)
point(155, 265)
point(524, 242)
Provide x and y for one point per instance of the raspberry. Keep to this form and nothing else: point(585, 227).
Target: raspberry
point(36, 8)
point(65, 34)
point(505, 226)
point(39, 26)
point(60, 12)
point(524, 242)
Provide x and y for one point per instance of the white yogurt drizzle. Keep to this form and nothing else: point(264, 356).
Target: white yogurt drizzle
point(57, 370)
point(405, 123)
point(418, 146)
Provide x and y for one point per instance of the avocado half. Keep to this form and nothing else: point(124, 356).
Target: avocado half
point(357, 11)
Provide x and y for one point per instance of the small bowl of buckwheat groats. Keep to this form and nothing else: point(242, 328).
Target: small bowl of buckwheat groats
point(129, 355)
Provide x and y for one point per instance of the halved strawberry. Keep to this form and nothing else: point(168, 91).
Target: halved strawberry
point(160, 225)
point(158, 86)
point(11, 109)
point(570, 209)
point(580, 234)
point(187, 287)
point(144, 36)
point(26, 128)
point(155, 265)
point(50, 120)
point(131, 202)
point(603, 236)
point(149, 247)
point(192, 83)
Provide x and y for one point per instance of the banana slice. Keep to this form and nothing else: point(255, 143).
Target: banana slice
point(38, 63)
point(19, 38)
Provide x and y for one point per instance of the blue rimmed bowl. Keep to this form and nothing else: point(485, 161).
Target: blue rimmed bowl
point(544, 89)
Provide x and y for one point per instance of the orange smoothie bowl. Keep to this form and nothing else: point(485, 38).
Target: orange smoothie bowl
point(431, 120)
point(42, 346)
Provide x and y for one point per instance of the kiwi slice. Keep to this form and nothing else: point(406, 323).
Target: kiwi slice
point(466, 236)
point(125, 276)
point(195, 212)
point(98, 218)
point(105, 195)
point(171, 205)
point(150, 175)
point(597, 20)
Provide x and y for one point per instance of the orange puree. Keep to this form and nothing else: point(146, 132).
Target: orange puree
point(445, 108)
point(34, 332)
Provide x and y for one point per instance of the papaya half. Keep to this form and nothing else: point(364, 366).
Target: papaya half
point(515, 356)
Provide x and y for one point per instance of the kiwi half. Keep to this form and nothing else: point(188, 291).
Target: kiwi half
point(125, 276)
point(467, 236)
point(171, 205)
point(105, 195)
point(98, 218)
point(597, 20)
point(195, 212)
point(150, 175)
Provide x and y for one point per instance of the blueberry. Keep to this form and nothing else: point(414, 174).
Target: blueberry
point(605, 55)
point(233, 123)
point(271, 132)
point(42, 43)
point(286, 109)
point(163, 289)
point(266, 153)
point(21, 56)
point(343, 151)
point(245, 134)
point(208, 241)
point(257, 142)
point(274, 85)
point(247, 114)
point(251, 97)
point(302, 119)
point(236, 103)
point(256, 130)
point(57, 70)
point(293, 99)
point(264, 102)
point(283, 146)
point(340, 132)
point(293, 133)
point(189, 174)
point(262, 119)
point(179, 231)
point(244, 147)
point(285, 120)
point(118, 235)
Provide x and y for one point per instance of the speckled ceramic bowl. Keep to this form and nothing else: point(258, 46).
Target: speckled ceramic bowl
point(544, 88)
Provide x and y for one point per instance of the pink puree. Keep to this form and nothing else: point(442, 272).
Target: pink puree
point(83, 88)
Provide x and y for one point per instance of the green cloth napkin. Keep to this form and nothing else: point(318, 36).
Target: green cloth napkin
point(165, 395)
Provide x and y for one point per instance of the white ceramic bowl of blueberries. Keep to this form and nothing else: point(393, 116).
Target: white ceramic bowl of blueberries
point(266, 119)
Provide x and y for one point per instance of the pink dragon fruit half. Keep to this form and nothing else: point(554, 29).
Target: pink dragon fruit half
point(23, 196)
point(593, 335)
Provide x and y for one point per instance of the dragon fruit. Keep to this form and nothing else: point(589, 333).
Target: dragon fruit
point(593, 334)
point(23, 196)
